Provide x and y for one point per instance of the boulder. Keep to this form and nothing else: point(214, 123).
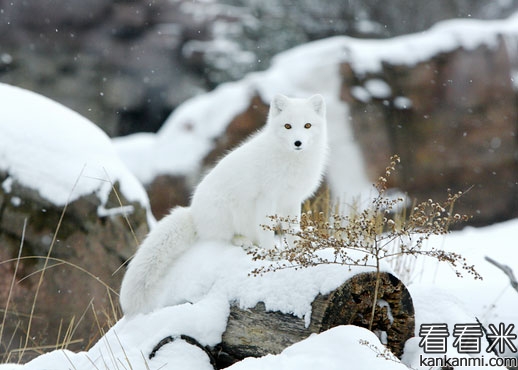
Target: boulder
point(166, 192)
point(70, 215)
point(77, 299)
point(452, 119)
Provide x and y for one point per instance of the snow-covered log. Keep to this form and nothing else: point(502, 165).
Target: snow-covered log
point(257, 332)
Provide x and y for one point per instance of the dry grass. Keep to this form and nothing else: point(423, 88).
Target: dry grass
point(11, 286)
point(67, 330)
point(66, 336)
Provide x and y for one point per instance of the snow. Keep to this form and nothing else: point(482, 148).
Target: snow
point(402, 102)
point(337, 348)
point(441, 297)
point(367, 56)
point(360, 93)
point(378, 88)
point(351, 345)
point(49, 148)
point(202, 292)
point(497, 242)
point(198, 273)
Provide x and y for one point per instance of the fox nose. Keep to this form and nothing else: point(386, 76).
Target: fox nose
point(297, 143)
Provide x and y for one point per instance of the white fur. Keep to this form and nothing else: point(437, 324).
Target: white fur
point(271, 173)
point(168, 240)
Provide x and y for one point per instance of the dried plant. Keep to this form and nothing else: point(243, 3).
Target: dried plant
point(366, 237)
point(385, 353)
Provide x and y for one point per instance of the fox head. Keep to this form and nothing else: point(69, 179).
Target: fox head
point(299, 123)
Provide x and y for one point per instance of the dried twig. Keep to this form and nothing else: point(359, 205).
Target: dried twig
point(506, 270)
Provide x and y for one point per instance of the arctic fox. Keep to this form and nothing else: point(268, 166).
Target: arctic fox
point(271, 173)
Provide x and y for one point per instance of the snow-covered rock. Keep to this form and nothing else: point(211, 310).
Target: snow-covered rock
point(184, 146)
point(58, 153)
point(439, 297)
point(64, 192)
point(445, 102)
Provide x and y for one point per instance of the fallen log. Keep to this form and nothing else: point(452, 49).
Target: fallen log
point(256, 332)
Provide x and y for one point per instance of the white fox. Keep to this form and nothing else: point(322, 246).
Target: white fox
point(271, 173)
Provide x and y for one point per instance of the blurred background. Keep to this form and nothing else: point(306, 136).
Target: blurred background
point(126, 64)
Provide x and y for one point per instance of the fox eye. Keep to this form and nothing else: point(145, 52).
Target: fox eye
point(307, 125)
point(287, 126)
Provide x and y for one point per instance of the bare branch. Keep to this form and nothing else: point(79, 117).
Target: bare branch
point(506, 270)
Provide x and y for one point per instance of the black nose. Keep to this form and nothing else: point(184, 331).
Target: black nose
point(298, 143)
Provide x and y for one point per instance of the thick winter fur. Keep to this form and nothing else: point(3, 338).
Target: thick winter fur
point(271, 173)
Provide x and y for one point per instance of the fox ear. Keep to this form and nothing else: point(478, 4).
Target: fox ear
point(317, 101)
point(278, 104)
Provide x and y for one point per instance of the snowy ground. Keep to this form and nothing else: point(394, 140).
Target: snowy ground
point(439, 297)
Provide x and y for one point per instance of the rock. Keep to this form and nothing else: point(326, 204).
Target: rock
point(54, 14)
point(167, 192)
point(242, 126)
point(453, 121)
point(84, 214)
point(129, 19)
point(78, 294)
point(255, 332)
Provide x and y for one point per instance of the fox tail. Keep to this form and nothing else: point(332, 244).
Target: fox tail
point(171, 237)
